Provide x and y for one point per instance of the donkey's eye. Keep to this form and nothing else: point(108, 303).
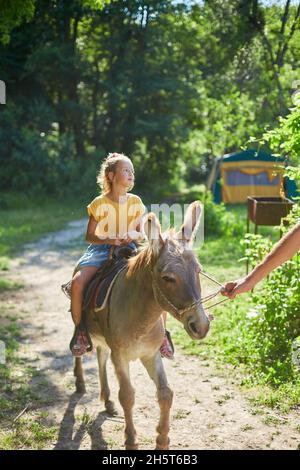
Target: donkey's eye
point(168, 279)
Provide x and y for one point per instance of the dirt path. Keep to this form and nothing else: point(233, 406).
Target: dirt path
point(209, 412)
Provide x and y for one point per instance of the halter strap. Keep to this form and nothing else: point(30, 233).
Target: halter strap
point(181, 311)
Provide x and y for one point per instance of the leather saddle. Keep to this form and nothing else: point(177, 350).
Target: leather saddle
point(99, 288)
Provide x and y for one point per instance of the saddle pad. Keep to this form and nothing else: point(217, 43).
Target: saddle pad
point(105, 289)
point(98, 291)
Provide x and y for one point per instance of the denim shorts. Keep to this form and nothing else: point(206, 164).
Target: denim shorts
point(96, 255)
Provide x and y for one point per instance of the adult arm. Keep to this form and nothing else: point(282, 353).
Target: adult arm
point(284, 250)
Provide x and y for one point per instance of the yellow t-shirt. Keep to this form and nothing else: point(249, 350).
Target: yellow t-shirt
point(116, 218)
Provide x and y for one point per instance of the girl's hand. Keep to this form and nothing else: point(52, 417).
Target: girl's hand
point(234, 288)
point(115, 241)
point(126, 239)
point(119, 241)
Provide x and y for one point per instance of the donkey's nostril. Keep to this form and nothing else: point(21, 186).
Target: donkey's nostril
point(193, 327)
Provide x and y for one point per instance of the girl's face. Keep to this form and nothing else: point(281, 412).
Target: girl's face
point(124, 174)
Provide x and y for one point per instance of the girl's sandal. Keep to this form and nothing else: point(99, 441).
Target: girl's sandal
point(167, 347)
point(81, 342)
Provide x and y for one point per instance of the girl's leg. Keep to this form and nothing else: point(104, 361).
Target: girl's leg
point(79, 282)
point(80, 342)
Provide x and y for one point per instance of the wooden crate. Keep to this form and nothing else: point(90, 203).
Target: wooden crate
point(268, 210)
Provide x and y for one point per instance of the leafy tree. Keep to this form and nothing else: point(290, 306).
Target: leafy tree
point(172, 84)
point(13, 14)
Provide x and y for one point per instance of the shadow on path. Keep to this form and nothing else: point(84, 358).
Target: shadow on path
point(68, 440)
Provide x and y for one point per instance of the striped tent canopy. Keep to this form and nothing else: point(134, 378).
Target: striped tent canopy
point(238, 175)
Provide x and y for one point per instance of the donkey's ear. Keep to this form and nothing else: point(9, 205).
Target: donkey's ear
point(191, 223)
point(152, 230)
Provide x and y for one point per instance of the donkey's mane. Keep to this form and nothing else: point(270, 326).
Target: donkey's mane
point(146, 255)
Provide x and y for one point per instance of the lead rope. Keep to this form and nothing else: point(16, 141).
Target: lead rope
point(212, 294)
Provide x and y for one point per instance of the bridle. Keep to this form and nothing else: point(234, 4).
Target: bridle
point(179, 312)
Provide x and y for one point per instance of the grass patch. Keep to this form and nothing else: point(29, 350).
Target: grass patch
point(217, 254)
point(271, 420)
point(283, 398)
point(7, 285)
point(181, 414)
point(32, 433)
point(20, 226)
point(9, 335)
point(16, 392)
point(4, 263)
point(247, 427)
point(86, 420)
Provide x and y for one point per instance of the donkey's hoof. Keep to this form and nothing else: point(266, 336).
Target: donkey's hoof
point(132, 447)
point(162, 443)
point(162, 447)
point(110, 408)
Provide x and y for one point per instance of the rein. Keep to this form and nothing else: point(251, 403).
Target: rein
point(181, 311)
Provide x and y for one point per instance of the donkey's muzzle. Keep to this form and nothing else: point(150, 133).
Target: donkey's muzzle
point(197, 330)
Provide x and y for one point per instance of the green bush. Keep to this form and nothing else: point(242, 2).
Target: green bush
point(219, 221)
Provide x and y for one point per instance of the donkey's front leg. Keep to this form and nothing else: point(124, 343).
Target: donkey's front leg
point(126, 398)
point(157, 373)
point(102, 356)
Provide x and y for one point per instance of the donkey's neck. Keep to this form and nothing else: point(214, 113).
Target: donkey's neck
point(146, 310)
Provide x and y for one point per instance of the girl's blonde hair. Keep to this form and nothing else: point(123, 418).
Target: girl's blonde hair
point(110, 164)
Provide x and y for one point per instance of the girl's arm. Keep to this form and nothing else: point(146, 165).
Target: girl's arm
point(134, 233)
point(284, 250)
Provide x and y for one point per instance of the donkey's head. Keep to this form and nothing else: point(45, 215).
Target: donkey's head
point(175, 271)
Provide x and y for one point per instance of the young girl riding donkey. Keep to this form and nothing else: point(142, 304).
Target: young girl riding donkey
point(114, 220)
